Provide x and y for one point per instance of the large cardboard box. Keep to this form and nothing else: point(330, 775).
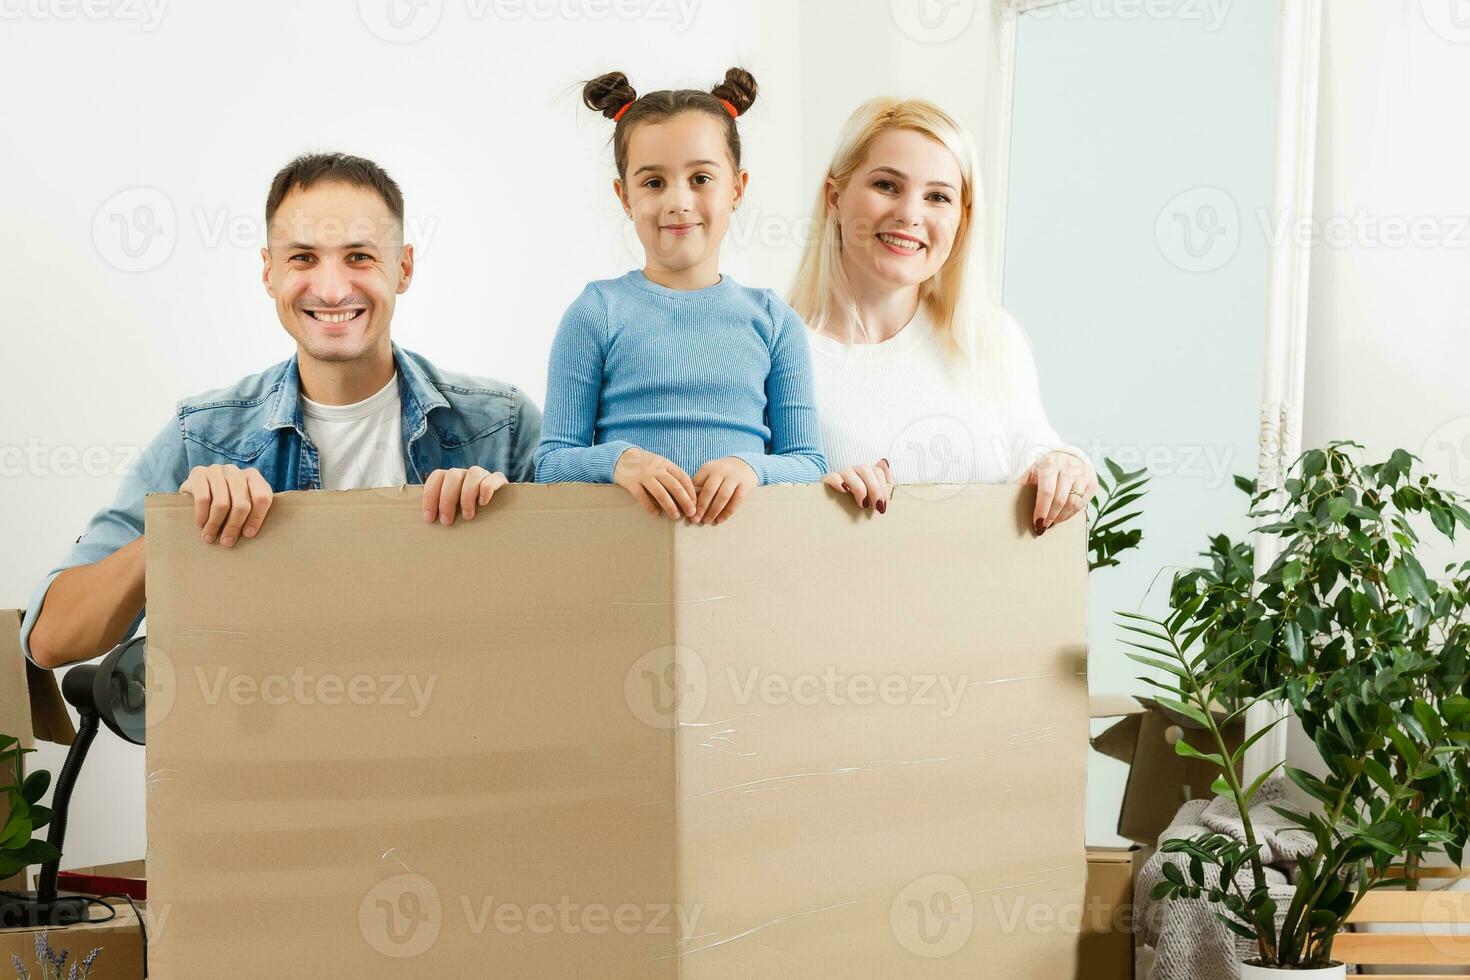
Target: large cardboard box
point(1160, 780)
point(570, 739)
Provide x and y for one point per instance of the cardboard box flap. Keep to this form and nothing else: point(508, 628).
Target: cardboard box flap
point(30, 700)
point(50, 721)
point(1176, 718)
point(1120, 740)
point(1113, 705)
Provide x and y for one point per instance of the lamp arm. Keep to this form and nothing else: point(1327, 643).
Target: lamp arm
point(61, 802)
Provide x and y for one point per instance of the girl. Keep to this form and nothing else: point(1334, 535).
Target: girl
point(919, 379)
point(675, 369)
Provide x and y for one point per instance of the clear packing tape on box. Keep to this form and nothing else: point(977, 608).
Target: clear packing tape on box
point(572, 739)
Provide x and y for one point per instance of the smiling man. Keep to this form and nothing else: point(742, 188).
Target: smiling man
point(350, 409)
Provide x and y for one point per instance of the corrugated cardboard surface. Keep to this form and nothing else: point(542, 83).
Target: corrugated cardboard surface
point(120, 939)
point(825, 805)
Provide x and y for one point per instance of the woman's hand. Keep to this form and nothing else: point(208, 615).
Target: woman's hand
point(722, 484)
point(870, 486)
point(1064, 484)
point(656, 483)
point(448, 492)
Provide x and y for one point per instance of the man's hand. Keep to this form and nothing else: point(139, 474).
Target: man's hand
point(722, 484)
point(228, 501)
point(658, 484)
point(450, 492)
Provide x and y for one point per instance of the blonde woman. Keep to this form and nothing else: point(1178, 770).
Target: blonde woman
point(919, 378)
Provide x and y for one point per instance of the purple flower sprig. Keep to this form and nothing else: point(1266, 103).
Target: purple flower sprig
point(52, 964)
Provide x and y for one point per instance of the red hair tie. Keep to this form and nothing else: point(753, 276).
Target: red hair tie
point(729, 107)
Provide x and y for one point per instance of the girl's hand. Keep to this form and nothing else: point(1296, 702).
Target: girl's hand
point(447, 492)
point(723, 484)
point(656, 483)
point(1064, 485)
point(870, 486)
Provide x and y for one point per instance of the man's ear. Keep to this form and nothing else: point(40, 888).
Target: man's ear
point(265, 275)
point(620, 192)
point(405, 268)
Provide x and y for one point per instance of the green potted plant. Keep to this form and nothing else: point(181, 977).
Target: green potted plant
point(24, 814)
point(1372, 654)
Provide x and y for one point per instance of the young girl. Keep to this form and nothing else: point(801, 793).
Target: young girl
point(675, 369)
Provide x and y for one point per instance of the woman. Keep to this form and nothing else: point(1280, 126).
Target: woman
point(919, 379)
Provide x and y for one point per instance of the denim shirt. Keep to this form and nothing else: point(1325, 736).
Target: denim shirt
point(449, 420)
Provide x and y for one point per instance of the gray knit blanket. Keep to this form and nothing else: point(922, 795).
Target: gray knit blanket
point(1191, 943)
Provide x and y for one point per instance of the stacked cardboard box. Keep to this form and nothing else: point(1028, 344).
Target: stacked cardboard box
point(1106, 947)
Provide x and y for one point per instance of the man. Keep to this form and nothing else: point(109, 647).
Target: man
point(350, 409)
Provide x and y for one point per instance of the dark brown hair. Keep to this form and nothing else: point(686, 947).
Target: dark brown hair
point(609, 93)
point(310, 169)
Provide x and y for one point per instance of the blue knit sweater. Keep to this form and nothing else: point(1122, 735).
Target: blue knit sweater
point(692, 375)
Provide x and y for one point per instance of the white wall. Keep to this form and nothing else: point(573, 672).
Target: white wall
point(174, 117)
point(505, 173)
point(1389, 316)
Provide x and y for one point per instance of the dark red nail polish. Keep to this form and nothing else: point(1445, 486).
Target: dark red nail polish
point(882, 506)
point(846, 488)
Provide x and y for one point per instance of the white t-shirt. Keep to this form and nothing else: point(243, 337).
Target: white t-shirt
point(359, 445)
point(902, 400)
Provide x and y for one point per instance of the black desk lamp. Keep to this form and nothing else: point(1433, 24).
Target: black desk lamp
point(109, 692)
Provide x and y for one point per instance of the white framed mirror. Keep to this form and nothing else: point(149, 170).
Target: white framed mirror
point(1151, 151)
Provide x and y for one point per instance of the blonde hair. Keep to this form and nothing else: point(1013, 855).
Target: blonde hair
point(980, 335)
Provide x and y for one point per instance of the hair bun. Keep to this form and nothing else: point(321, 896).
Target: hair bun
point(738, 89)
point(610, 92)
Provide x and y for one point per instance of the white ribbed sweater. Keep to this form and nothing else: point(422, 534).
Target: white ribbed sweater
point(901, 400)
